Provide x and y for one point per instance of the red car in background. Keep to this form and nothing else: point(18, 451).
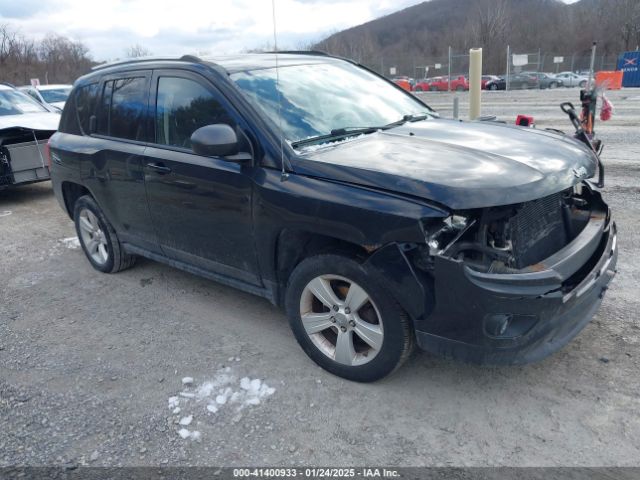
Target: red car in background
point(441, 84)
point(403, 82)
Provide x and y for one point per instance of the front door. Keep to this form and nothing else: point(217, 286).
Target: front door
point(200, 206)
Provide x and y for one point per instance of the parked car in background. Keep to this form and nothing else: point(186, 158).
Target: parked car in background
point(517, 82)
point(49, 95)
point(441, 84)
point(25, 128)
point(374, 223)
point(488, 78)
point(545, 80)
point(570, 79)
point(405, 83)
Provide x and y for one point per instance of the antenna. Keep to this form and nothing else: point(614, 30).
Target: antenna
point(284, 175)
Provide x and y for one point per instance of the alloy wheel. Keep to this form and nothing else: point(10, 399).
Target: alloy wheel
point(341, 320)
point(93, 237)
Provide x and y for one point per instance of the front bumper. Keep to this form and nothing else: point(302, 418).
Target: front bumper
point(524, 317)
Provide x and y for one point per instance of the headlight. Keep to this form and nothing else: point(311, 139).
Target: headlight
point(439, 237)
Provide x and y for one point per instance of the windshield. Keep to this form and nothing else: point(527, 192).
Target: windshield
point(13, 102)
point(320, 98)
point(55, 95)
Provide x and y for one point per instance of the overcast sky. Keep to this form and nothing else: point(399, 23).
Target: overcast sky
point(177, 27)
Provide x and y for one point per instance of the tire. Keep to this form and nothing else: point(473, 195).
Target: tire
point(93, 228)
point(388, 328)
point(459, 88)
point(553, 85)
point(433, 89)
point(493, 87)
point(582, 84)
point(418, 89)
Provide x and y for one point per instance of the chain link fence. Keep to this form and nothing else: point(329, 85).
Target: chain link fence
point(526, 69)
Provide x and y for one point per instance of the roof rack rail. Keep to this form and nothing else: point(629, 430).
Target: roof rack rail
point(301, 52)
point(184, 58)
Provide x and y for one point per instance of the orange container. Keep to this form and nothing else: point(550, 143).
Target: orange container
point(609, 80)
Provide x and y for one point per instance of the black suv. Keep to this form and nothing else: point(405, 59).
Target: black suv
point(373, 222)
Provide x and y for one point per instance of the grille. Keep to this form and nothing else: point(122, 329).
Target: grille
point(537, 230)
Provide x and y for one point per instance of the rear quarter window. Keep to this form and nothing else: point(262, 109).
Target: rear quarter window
point(86, 99)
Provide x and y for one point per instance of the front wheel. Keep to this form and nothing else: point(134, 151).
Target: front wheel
point(493, 86)
point(345, 320)
point(583, 84)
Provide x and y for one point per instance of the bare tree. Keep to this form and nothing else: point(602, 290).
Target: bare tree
point(137, 51)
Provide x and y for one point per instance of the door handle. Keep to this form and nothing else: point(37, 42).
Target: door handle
point(160, 168)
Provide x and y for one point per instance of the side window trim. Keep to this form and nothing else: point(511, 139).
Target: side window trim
point(204, 83)
point(147, 74)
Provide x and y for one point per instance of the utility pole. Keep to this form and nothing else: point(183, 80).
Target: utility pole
point(449, 77)
point(506, 79)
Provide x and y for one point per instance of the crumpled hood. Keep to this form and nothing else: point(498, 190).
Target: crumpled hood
point(458, 164)
point(31, 121)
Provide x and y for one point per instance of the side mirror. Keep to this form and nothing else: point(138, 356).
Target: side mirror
point(219, 140)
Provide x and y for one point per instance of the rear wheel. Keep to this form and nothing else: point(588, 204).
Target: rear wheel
point(433, 89)
point(418, 88)
point(493, 86)
point(98, 238)
point(345, 320)
point(553, 85)
point(583, 84)
point(459, 88)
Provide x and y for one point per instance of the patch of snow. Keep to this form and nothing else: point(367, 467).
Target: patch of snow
point(184, 434)
point(5, 213)
point(221, 395)
point(187, 380)
point(72, 243)
point(322, 146)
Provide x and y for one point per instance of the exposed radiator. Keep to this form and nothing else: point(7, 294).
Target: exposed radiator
point(538, 230)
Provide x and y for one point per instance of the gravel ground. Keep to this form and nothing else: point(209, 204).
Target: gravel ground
point(88, 362)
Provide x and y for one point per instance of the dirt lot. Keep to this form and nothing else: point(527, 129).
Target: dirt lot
point(89, 362)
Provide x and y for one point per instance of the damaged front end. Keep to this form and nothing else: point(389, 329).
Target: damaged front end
point(514, 283)
point(23, 156)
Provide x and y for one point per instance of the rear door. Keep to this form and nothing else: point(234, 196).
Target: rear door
point(114, 170)
point(200, 206)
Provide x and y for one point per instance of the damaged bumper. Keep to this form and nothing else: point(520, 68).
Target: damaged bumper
point(517, 318)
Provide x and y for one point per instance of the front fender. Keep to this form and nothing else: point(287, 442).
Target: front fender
point(409, 287)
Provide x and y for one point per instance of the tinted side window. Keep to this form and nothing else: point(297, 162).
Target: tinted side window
point(123, 108)
point(69, 120)
point(183, 106)
point(85, 99)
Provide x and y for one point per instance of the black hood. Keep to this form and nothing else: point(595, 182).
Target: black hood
point(459, 164)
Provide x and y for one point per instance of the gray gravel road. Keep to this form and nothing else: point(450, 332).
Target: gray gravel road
point(88, 362)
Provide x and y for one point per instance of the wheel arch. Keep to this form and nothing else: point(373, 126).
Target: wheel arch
point(410, 288)
point(71, 192)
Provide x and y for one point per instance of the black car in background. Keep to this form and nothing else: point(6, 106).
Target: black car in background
point(517, 82)
point(374, 223)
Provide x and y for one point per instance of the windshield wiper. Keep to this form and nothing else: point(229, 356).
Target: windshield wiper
point(340, 133)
